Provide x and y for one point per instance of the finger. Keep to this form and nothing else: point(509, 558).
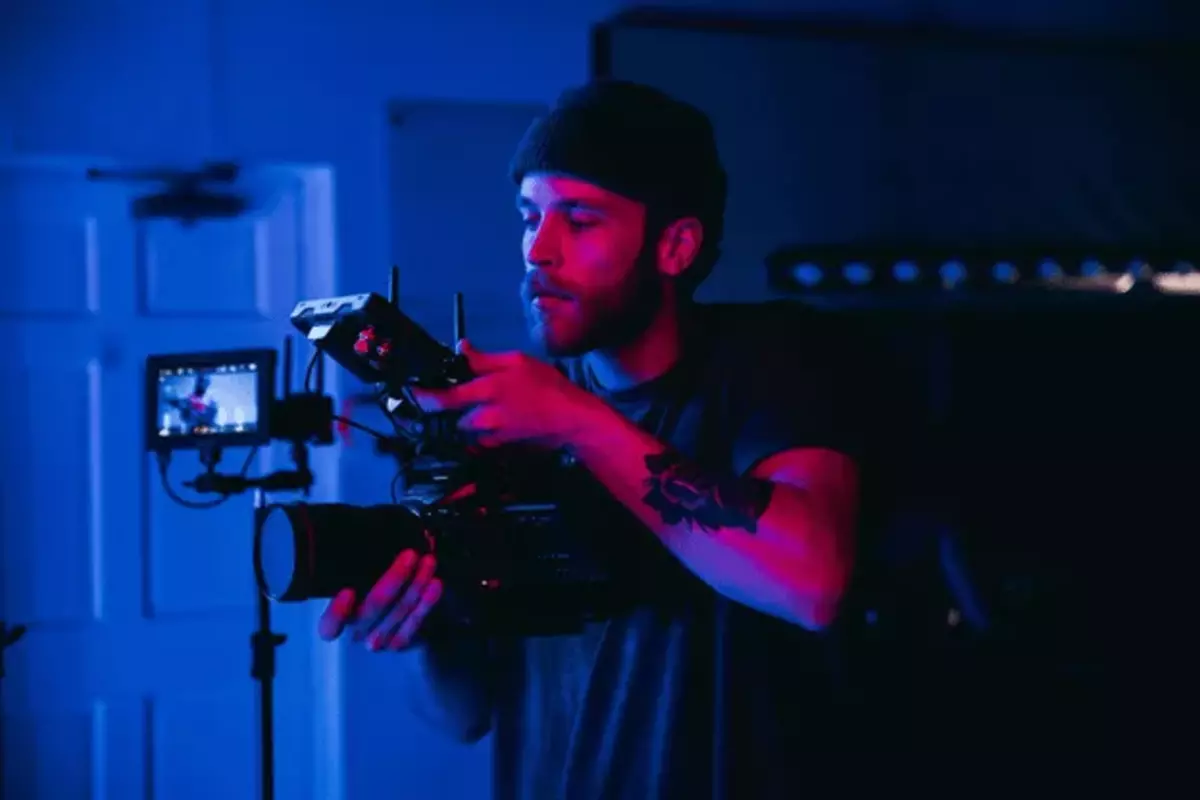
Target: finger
point(480, 419)
point(386, 591)
point(429, 599)
point(465, 395)
point(488, 441)
point(461, 493)
point(399, 613)
point(482, 363)
point(412, 596)
point(337, 614)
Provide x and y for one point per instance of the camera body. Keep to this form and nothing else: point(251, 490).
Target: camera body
point(507, 558)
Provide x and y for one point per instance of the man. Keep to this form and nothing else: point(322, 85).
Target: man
point(198, 409)
point(731, 480)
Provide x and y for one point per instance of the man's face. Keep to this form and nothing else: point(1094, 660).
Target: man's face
point(589, 283)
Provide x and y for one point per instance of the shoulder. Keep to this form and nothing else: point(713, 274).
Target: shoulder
point(780, 344)
point(790, 377)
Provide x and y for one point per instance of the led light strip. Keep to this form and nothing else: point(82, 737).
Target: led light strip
point(838, 272)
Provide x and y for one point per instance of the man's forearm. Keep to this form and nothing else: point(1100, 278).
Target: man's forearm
point(764, 544)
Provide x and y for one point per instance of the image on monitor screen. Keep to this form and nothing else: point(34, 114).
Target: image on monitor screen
point(208, 401)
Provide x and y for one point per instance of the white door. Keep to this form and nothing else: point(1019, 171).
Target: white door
point(133, 678)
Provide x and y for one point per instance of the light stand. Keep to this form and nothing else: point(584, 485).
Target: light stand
point(299, 418)
point(264, 641)
point(296, 418)
point(262, 669)
point(8, 637)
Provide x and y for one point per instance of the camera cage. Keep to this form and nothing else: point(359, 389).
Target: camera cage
point(365, 334)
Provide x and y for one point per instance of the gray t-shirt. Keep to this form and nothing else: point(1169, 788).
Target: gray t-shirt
point(685, 695)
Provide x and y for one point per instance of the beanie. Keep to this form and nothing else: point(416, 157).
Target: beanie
point(635, 141)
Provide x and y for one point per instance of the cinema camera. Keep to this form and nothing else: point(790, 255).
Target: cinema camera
point(491, 517)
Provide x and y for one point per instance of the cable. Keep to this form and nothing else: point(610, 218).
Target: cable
point(308, 376)
point(381, 402)
point(359, 426)
point(308, 372)
point(164, 462)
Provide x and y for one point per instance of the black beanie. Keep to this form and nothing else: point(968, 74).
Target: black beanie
point(635, 141)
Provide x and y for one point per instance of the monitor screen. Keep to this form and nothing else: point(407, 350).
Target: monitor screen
point(218, 400)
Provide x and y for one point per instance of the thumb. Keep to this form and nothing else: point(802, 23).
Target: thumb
point(480, 362)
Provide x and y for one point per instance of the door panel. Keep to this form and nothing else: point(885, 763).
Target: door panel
point(133, 680)
point(449, 176)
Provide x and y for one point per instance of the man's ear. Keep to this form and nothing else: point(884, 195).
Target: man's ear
point(679, 246)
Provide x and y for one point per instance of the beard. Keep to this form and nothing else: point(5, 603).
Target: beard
point(578, 321)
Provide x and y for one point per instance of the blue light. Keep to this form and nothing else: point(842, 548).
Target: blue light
point(952, 273)
point(1005, 272)
point(807, 274)
point(858, 273)
point(1048, 270)
point(906, 272)
point(1091, 268)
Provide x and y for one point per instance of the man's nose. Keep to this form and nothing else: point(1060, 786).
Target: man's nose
point(543, 251)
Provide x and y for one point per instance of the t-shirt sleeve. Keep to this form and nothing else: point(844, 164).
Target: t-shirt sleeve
point(788, 402)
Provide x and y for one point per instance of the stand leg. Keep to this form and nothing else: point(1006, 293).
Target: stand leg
point(8, 637)
point(262, 648)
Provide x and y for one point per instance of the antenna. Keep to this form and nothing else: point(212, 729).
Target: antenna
point(394, 287)
point(287, 366)
point(320, 356)
point(460, 318)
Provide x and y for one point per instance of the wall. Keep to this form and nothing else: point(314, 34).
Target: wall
point(274, 80)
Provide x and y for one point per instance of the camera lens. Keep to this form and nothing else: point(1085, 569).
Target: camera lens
point(279, 541)
point(304, 551)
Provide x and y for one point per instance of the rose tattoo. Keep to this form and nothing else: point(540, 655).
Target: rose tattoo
point(681, 492)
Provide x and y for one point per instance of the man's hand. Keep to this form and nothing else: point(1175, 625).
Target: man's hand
point(513, 398)
point(392, 612)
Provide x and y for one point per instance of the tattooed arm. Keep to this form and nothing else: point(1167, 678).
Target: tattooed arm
point(778, 539)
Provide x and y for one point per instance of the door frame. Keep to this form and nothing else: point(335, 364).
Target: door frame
point(319, 278)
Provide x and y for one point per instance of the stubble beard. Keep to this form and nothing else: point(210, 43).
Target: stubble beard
point(607, 321)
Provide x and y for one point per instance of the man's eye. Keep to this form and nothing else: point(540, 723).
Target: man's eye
point(580, 222)
point(530, 223)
